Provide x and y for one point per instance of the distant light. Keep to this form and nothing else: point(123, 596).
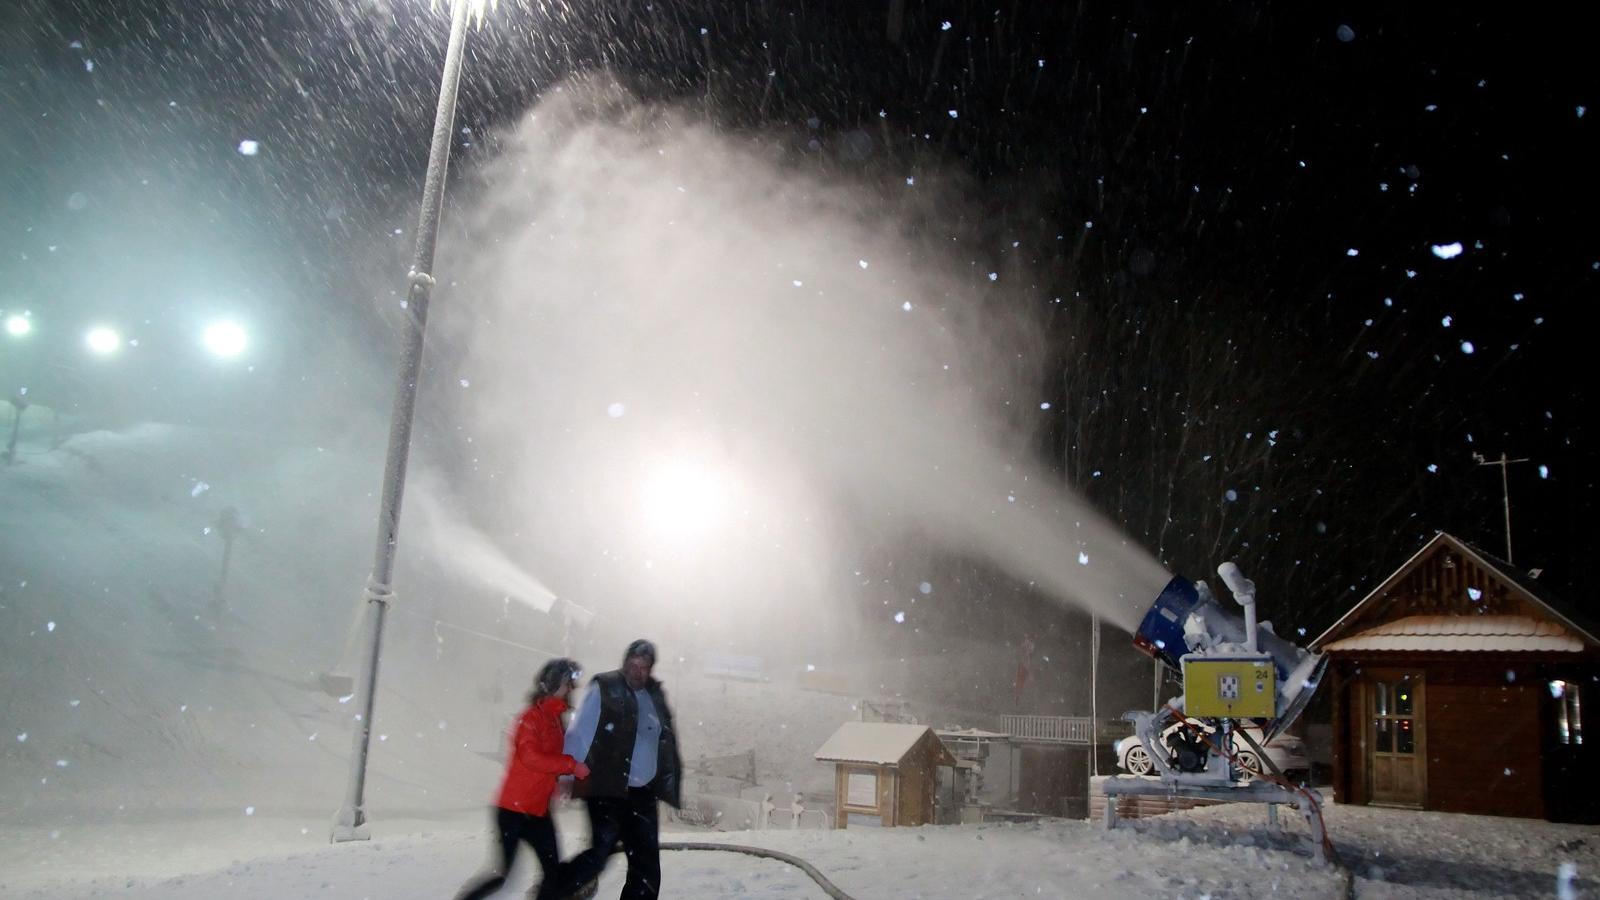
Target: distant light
point(18, 325)
point(249, 148)
point(103, 341)
point(1448, 251)
point(224, 339)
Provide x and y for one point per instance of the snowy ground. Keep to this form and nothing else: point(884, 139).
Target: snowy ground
point(1216, 852)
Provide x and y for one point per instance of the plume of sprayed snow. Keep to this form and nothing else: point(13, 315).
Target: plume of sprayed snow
point(466, 552)
point(782, 408)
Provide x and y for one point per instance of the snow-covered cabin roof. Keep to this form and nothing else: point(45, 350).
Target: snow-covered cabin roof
point(1537, 597)
point(880, 743)
point(1495, 634)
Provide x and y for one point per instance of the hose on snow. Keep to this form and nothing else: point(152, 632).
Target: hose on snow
point(822, 881)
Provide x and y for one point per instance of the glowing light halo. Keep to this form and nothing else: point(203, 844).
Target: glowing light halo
point(224, 339)
point(684, 497)
point(19, 325)
point(103, 341)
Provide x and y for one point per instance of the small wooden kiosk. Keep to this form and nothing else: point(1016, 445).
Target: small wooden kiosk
point(885, 773)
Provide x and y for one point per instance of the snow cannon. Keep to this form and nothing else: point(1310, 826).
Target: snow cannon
point(1232, 667)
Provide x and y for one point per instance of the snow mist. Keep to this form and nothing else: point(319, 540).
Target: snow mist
point(697, 378)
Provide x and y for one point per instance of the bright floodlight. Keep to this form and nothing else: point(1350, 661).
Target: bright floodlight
point(224, 339)
point(18, 325)
point(684, 498)
point(103, 341)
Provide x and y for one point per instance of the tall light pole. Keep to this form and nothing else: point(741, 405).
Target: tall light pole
point(350, 824)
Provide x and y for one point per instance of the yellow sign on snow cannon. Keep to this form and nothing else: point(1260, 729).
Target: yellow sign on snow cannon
point(1233, 687)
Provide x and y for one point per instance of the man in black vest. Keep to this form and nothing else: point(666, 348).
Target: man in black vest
point(623, 732)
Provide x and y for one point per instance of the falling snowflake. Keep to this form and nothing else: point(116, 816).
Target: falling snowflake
point(1448, 251)
point(1467, 348)
point(616, 410)
point(899, 617)
point(249, 148)
point(1345, 33)
point(906, 306)
point(1083, 558)
point(1044, 406)
point(1544, 471)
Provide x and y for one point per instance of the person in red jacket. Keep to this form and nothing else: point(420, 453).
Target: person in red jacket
point(522, 811)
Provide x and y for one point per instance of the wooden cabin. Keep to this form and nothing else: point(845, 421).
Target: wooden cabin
point(1458, 686)
point(885, 773)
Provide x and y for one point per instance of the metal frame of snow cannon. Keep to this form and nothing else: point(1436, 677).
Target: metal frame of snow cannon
point(1188, 631)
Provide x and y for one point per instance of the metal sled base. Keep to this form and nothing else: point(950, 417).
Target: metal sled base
point(1254, 792)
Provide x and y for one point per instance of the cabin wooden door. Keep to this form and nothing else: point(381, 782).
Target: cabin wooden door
point(1395, 739)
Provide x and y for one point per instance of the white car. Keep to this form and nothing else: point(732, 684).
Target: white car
point(1286, 751)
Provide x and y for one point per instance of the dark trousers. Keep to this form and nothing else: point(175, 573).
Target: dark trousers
point(512, 827)
point(630, 821)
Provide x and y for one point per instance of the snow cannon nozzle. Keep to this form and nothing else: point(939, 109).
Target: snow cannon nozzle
point(1161, 633)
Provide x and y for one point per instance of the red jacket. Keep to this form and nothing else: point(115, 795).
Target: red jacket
point(536, 759)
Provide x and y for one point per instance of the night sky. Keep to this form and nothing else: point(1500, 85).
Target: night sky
point(1238, 220)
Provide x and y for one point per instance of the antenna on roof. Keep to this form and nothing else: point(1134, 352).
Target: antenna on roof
point(1505, 489)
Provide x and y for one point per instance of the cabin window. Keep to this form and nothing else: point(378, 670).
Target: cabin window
point(1569, 713)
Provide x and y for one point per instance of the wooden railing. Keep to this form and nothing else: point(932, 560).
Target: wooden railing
point(1049, 729)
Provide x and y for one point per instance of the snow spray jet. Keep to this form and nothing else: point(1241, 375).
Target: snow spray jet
point(437, 527)
point(682, 358)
